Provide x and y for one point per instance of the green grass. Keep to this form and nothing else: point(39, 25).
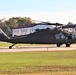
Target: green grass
point(5, 44)
point(38, 62)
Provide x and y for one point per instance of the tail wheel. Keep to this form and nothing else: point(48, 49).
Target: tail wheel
point(58, 45)
point(10, 47)
point(67, 44)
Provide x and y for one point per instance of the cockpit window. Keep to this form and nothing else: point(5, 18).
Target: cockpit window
point(60, 36)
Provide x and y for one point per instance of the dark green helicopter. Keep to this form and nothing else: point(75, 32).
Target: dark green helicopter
point(58, 35)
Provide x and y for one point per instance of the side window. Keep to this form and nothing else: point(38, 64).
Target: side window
point(62, 36)
point(73, 36)
point(57, 36)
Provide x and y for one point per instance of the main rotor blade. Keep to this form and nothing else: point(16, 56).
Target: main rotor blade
point(56, 24)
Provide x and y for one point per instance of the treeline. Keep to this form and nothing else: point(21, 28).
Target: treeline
point(14, 22)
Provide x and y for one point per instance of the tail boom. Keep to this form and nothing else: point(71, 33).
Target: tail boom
point(3, 36)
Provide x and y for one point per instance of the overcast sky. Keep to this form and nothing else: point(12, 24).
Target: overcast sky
point(62, 11)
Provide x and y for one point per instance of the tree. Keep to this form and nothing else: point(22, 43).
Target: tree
point(70, 23)
point(22, 22)
point(14, 22)
point(29, 21)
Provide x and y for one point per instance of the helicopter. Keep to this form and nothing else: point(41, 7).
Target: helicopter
point(58, 35)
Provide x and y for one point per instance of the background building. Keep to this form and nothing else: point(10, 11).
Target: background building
point(30, 29)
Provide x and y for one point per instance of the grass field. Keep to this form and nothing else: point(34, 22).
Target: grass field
point(38, 63)
point(5, 44)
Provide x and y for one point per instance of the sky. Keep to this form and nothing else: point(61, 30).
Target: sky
point(62, 11)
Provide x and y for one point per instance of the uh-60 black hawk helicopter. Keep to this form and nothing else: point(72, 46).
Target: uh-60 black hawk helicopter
point(58, 35)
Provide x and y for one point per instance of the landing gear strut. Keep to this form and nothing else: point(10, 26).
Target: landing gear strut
point(10, 47)
point(67, 44)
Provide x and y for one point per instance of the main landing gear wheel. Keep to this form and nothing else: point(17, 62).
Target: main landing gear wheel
point(58, 45)
point(67, 44)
